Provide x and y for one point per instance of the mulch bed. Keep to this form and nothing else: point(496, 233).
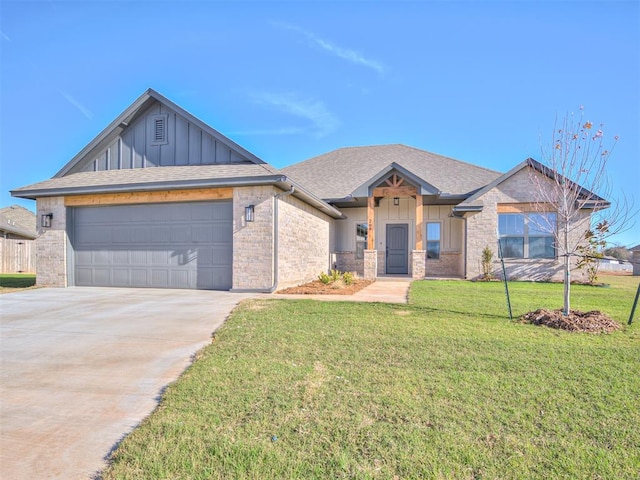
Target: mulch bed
point(577, 321)
point(335, 288)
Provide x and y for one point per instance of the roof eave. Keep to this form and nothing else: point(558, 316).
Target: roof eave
point(147, 186)
point(280, 181)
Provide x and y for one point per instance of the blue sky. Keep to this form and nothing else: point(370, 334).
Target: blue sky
point(478, 81)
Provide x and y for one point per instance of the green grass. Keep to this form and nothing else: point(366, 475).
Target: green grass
point(445, 387)
point(17, 280)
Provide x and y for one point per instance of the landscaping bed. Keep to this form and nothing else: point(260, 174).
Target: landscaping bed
point(334, 288)
point(576, 321)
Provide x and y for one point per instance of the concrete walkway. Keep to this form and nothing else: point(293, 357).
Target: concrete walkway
point(384, 289)
point(81, 367)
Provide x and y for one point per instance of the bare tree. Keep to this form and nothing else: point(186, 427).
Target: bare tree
point(575, 187)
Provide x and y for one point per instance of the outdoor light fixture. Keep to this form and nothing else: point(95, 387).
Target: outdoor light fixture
point(45, 220)
point(396, 201)
point(249, 213)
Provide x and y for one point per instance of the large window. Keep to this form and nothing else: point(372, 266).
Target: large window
point(433, 240)
point(362, 234)
point(527, 235)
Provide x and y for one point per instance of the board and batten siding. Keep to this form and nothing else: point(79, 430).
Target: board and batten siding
point(184, 143)
point(452, 229)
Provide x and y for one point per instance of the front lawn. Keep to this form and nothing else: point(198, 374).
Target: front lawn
point(445, 387)
point(16, 280)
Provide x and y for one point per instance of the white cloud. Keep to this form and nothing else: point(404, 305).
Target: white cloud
point(345, 53)
point(5, 36)
point(84, 110)
point(322, 120)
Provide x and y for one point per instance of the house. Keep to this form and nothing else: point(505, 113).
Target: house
point(17, 234)
point(161, 199)
point(614, 265)
point(635, 259)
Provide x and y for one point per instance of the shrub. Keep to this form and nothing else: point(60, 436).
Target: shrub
point(347, 278)
point(324, 278)
point(487, 261)
point(335, 275)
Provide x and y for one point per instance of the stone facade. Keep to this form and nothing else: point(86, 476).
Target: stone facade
point(303, 242)
point(418, 261)
point(482, 232)
point(450, 264)
point(347, 262)
point(253, 241)
point(370, 264)
point(51, 244)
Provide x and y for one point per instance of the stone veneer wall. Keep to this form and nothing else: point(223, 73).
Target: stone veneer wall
point(448, 265)
point(51, 244)
point(635, 258)
point(482, 228)
point(253, 241)
point(303, 242)
point(347, 262)
point(417, 265)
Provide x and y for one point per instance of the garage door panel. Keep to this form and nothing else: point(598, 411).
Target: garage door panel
point(185, 245)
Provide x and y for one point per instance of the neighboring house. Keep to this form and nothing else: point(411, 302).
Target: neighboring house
point(614, 265)
point(635, 259)
point(160, 199)
point(17, 234)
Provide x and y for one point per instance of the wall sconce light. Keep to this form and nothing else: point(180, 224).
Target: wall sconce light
point(396, 201)
point(249, 213)
point(45, 220)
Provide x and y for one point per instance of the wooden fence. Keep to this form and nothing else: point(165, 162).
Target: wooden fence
point(17, 256)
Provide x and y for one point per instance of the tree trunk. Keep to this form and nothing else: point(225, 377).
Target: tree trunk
point(567, 270)
point(567, 285)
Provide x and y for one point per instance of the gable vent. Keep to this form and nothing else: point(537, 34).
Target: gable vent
point(159, 129)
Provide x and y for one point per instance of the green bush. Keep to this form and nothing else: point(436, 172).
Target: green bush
point(335, 275)
point(347, 278)
point(324, 278)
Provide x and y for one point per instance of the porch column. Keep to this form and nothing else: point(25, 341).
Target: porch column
point(419, 223)
point(371, 233)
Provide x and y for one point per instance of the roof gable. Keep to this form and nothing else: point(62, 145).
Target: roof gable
point(341, 173)
point(132, 140)
point(473, 203)
point(423, 187)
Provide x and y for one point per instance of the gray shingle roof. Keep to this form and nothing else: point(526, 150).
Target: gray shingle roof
point(171, 176)
point(18, 220)
point(339, 173)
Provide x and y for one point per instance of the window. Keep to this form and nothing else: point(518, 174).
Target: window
point(433, 240)
point(362, 234)
point(527, 235)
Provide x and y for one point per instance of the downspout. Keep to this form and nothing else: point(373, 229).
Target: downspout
point(275, 237)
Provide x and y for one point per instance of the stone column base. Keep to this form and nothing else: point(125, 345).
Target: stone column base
point(370, 264)
point(418, 263)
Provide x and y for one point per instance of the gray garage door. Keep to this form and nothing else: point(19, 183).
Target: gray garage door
point(168, 245)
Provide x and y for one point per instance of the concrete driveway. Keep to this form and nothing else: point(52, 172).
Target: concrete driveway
point(81, 367)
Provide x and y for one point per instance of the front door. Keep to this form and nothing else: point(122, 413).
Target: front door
point(397, 260)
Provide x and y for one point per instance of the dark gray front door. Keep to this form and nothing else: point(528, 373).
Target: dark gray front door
point(163, 245)
point(397, 248)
